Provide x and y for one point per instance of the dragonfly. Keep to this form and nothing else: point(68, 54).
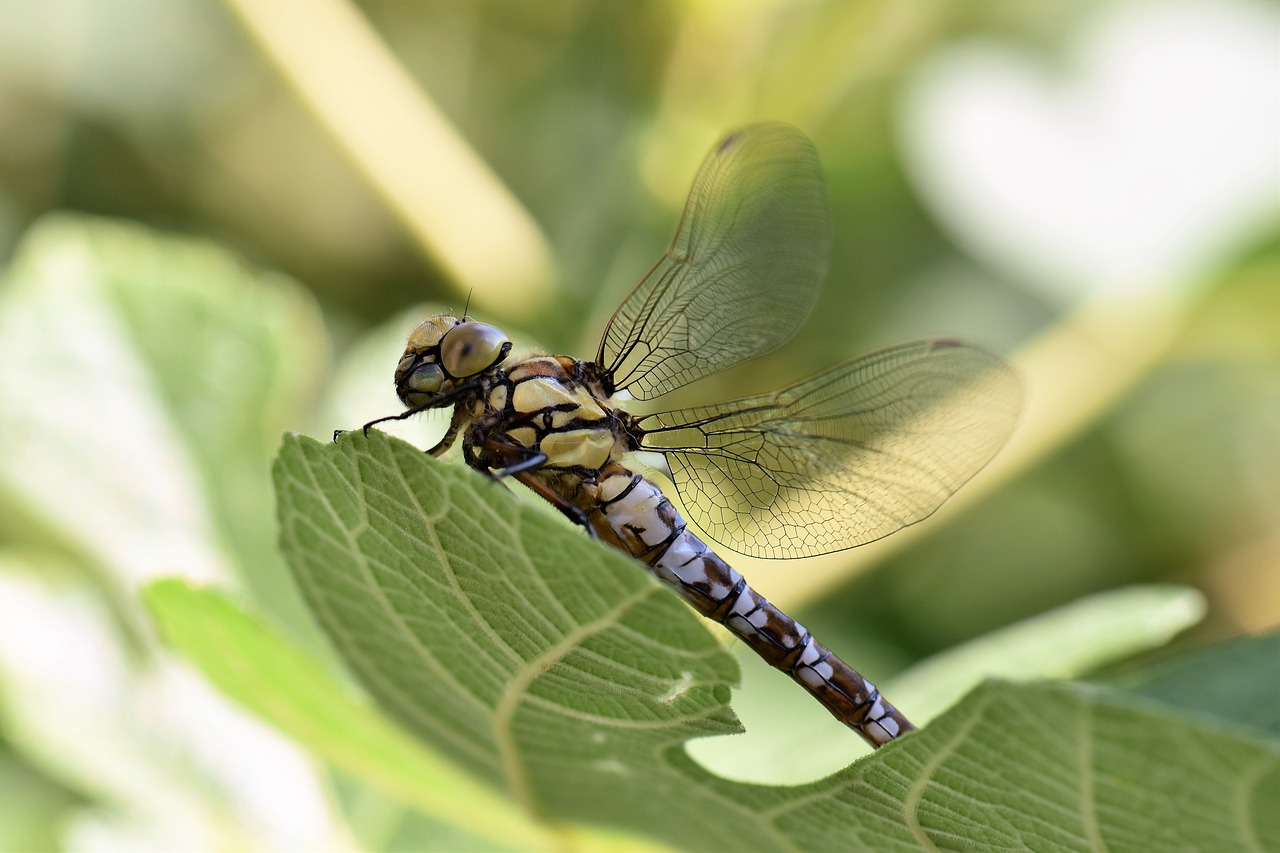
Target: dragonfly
point(840, 459)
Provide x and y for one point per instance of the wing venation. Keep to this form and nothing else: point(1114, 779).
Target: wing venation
point(842, 458)
point(742, 273)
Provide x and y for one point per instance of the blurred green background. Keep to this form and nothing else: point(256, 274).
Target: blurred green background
point(1090, 187)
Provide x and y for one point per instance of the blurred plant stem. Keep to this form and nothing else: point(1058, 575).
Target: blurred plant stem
point(455, 207)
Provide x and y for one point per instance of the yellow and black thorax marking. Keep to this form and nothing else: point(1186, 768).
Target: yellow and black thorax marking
point(550, 404)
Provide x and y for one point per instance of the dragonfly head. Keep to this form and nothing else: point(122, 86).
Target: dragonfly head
point(444, 352)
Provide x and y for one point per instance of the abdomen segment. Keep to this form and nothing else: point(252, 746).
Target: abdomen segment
point(635, 516)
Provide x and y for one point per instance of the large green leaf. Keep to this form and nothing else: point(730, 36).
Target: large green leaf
point(561, 673)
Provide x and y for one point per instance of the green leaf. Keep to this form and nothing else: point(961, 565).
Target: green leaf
point(1234, 680)
point(559, 672)
point(1055, 767)
point(30, 805)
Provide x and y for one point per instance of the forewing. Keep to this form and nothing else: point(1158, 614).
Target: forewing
point(742, 273)
point(844, 457)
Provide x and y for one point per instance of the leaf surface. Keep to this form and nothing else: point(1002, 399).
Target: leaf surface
point(562, 674)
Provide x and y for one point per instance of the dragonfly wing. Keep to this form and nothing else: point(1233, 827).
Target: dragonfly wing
point(742, 273)
point(844, 457)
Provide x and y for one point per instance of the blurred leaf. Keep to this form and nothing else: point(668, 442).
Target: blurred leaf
point(144, 378)
point(1237, 680)
point(156, 372)
point(560, 672)
point(166, 762)
point(253, 664)
point(1138, 199)
point(31, 806)
point(1065, 643)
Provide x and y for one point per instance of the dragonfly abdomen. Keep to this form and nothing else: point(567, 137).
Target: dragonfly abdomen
point(635, 516)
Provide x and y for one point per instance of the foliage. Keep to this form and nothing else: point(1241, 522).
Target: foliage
point(554, 670)
point(1087, 189)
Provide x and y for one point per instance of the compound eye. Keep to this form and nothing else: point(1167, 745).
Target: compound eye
point(471, 348)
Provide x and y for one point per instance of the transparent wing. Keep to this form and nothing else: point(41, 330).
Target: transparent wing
point(844, 457)
point(741, 274)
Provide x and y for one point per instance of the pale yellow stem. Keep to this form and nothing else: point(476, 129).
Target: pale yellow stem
point(456, 208)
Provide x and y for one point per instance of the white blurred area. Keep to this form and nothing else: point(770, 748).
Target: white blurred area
point(1148, 155)
point(174, 764)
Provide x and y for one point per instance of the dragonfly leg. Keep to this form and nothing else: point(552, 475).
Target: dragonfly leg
point(554, 498)
point(535, 460)
point(502, 459)
point(521, 463)
point(450, 434)
point(448, 398)
point(405, 414)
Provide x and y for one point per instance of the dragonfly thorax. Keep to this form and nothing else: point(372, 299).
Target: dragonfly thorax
point(442, 352)
point(552, 405)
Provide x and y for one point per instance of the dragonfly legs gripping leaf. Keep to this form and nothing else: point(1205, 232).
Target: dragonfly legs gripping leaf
point(522, 470)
